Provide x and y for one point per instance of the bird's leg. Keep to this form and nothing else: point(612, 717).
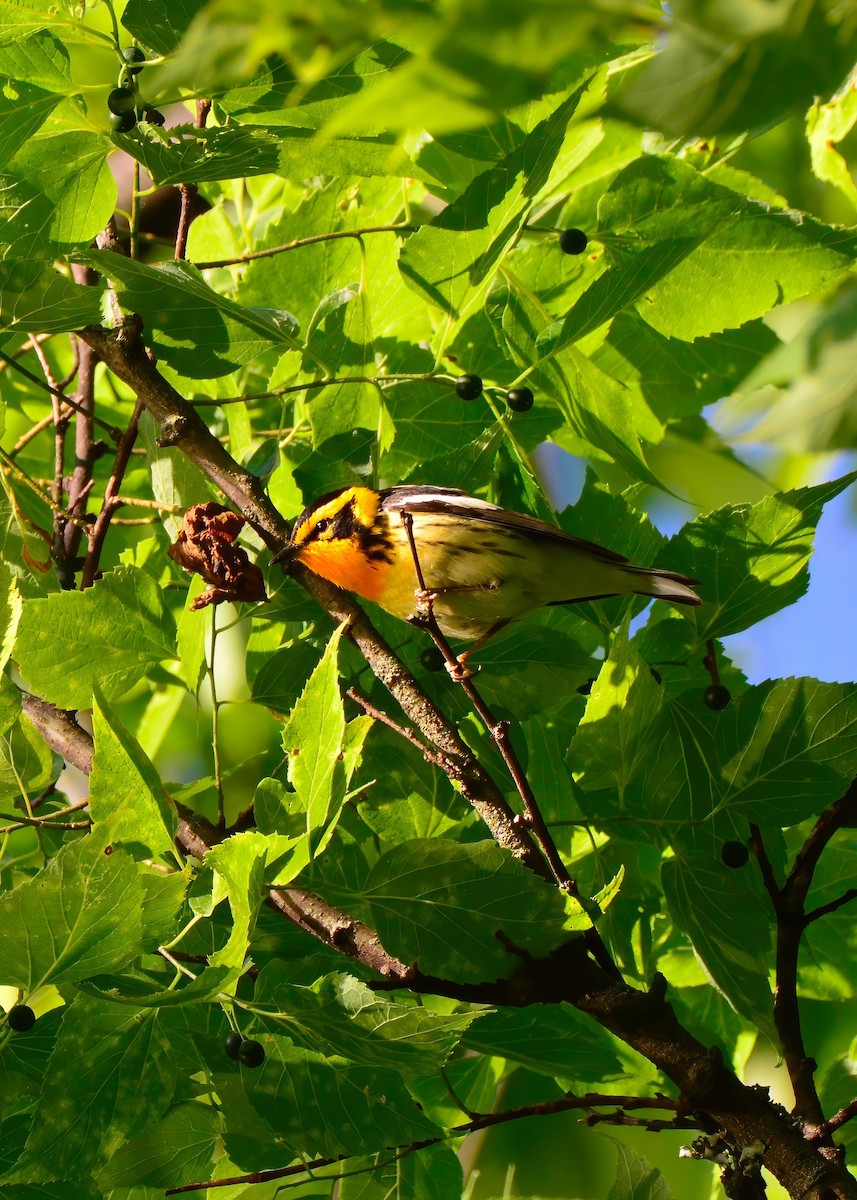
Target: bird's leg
point(499, 730)
point(425, 618)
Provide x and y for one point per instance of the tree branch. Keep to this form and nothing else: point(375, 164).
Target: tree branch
point(123, 352)
point(479, 1122)
point(643, 1020)
point(789, 903)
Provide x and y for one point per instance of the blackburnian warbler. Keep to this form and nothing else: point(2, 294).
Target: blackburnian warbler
point(482, 566)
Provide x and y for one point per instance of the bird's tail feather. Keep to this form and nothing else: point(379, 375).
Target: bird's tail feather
point(665, 585)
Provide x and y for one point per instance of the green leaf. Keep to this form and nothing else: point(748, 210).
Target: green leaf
point(41, 299)
point(191, 630)
point(42, 60)
point(71, 171)
point(329, 1106)
point(430, 419)
point(433, 1174)
point(22, 20)
point(751, 560)
point(314, 737)
point(613, 742)
point(283, 675)
point(301, 278)
point(79, 917)
point(111, 634)
point(675, 378)
point(240, 863)
point(409, 798)
point(452, 261)
point(196, 330)
point(532, 669)
point(726, 922)
point(826, 126)
point(789, 749)
point(340, 1015)
point(636, 1178)
point(160, 24)
point(825, 967)
point(443, 905)
point(22, 114)
point(552, 1040)
point(26, 763)
point(731, 262)
point(741, 69)
point(609, 420)
point(111, 1074)
point(178, 1149)
point(125, 791)
point(185, 153)
point(342, 340)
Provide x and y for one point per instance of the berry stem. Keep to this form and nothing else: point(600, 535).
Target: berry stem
point(710, 661)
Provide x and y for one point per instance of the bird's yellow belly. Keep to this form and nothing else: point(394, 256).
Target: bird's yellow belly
point(479, 578)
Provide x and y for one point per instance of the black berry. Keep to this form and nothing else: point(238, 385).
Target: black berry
point(431, 658)
point(716, 696)
point(519, 399)
point(132, 56)
point(121, 100)
point(21, 1018)
point(573, 241)
point(233, 1043)
point(468, 387)
point(734, 854)
point(251, 1054)
point(123, 122)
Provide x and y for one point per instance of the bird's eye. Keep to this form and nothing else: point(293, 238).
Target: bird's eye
point(323, 524)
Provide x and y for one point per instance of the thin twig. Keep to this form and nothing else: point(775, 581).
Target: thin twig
point(112, 432)
point(111, 501)
point(314, 384)
point(22, 822)
point(250, 256)
point(60, 424)
point(431, 756)
point(189, 191)
point(34, 487)
point(832, 905)
point(846, 1114)
point(479, 1122)
point(85, 451)
point(499, 730)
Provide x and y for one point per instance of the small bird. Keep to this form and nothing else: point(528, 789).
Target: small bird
point(481, 565)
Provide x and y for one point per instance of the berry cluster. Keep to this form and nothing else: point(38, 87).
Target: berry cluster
point(248, 1052)
point(521, 399)
point(469, 387)
point(123, 100)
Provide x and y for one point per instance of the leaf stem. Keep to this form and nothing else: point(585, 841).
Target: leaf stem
point(313, 240)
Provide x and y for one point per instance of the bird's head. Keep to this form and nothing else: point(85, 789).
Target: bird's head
point(341, 536)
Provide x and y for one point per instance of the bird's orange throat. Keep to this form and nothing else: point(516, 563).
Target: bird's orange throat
point(345, 564)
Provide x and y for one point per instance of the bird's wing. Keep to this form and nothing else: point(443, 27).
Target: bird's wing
point(449, 500)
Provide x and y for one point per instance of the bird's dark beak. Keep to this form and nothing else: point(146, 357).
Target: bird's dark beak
point(285, 557)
